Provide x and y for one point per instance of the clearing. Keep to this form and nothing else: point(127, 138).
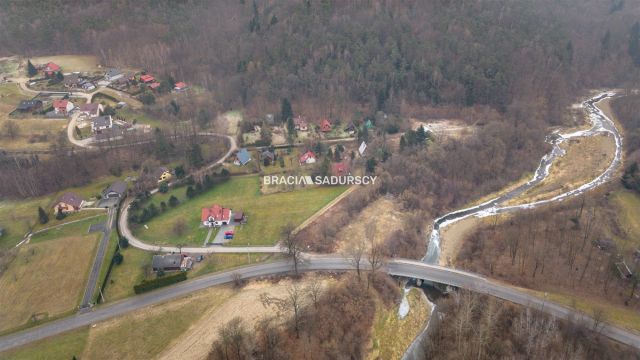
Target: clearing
point(585, 159)
point(50, 274)
point(70, 63)
point(267, 214)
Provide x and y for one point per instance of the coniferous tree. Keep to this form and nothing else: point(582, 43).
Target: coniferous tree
point(634, 43)
point(31, 70)
point(286, 112)
point(42, 216)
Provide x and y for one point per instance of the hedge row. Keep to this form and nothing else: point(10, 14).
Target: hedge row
point(148, 285)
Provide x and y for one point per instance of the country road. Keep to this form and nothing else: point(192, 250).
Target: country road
point(98, 260)
point(398, 267)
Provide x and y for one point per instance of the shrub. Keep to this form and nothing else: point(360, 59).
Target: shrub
point(164, 187)
point(118, 258)
point(173, 201)
point(148, 285)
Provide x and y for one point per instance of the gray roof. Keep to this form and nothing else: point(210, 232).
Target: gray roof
point(102, 121)
point(118, 187)
point(166, 261)
point(112, 72)
point(29, 104)
point(71, 79)
point(72, 199)
point(243, 156)
point(268, 154)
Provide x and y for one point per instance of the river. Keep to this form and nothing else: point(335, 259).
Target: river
point(600, 124)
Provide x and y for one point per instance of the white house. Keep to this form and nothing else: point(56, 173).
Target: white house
point(215, 216)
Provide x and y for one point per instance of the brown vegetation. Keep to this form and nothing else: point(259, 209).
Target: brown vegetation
point(480, 327)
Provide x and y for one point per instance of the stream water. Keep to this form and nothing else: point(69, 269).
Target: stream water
point(600, 124)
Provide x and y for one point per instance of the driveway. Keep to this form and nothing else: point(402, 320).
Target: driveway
point(219, 238)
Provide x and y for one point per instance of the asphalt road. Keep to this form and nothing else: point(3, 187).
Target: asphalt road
point(398, 267)
point(98, 261)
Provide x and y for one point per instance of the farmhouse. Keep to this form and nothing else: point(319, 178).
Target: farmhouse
point(300, 123)
point(68, 202)
point(325, 125)
point(309, 157)
point(50, 69)
point(171, 262)
point(147, 79)
point(91, 110)
point(162, 174)
point(62, 107)
point(216, 215)
point(180, 86)
point(115, 190)
point(101, 123)
point(242, 157)
point(29, 105)
point(113, 74)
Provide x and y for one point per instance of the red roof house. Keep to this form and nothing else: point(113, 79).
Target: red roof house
point(300, 123)
point(216, 215)
point(154, 85)
point(340, 169)
point(325, 125)
point(147, 78)
point(180, 86)
point(50, 68)
point(308, 157)
point(62, 106)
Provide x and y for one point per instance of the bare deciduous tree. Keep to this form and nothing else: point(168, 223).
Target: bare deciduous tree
point(291, 303)
point(292, 244)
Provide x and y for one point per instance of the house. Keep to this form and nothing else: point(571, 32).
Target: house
point(309, 157)
point(238, 217)
point(300, 123)
point(50, 69)
point(171, 262)
point(115, 190)
point(154, 85)
point(325, 125)
point(88, 86)
point(71, 81)
point(180, 86)
point(351, 128)
point(68, 202)
point(340, 169)
point(242, 157)
point(101, 123)
point(113, 74)
point(268, 157)
point(29, 105)
point(62, 107)
point(91, 110)
point(162, 174)
point(215, 215)
point(147, 79)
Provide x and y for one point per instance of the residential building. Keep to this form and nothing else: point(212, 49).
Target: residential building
point(162, 174)
point(154, 85)
point(171, 262)
point(242, 157)
point(71, 81)
point(325, 125)
point(101, 123)
point(270, 155)
point(215, 215)
point(308, 157)
point(29, 106)
point(62, 107)
point(300, 123)
point(340, 169)
point(115, 190)
point(91, 110)
point(68, 202)
point(113, 74)
point(50, 69)
point(180, 86)
point(147, 79)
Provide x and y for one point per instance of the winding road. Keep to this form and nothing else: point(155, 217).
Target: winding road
point(405, 268)
point(396, 267)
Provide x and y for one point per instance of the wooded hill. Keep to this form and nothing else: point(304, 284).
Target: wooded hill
point(376, 52)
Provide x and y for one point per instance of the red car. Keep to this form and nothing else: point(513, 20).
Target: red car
point(230, 232)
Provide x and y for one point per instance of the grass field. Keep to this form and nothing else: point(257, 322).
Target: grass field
point(628, 210)
point(17, 217)
point(61, 347)
point(128, 337)
point(267, 214)
point(70, 63)
point(48, 276)
point(392, 336)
